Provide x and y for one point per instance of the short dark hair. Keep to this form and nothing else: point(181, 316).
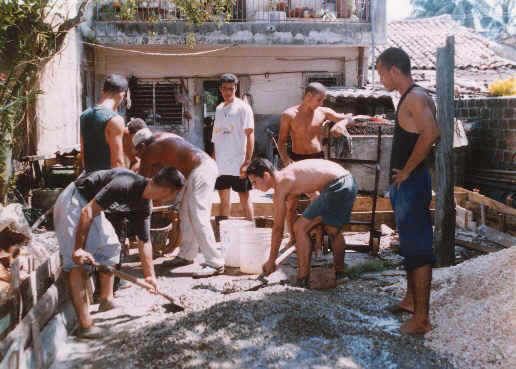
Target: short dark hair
point(228, 78)
point(315, 88)
point(259, 166)
point(115, 83)
point(395, 57)
point(169, 177)
point(135, 124)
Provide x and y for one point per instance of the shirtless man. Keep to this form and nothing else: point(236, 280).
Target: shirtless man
point(162, 149)
point(304, 124)
point(411, 192)
point(332, 208)
point(132, 161)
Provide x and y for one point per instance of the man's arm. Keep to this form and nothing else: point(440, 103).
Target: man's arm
point(280, 213)
point(341, 122)
point(249, 148)
point(426, 126)
point(114, 138)
point(283, 138)
point(90, 211)
point(134, 161)
point(82, 153)
point(145, 251)
point(148, 164)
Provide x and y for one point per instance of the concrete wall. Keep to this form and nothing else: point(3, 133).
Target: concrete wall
point(58, 109)
point(491, 125)
point(274, 76)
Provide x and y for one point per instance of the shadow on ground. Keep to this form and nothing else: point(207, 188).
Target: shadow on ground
point(291, 328)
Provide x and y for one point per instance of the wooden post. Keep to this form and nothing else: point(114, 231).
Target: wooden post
point(444, 237)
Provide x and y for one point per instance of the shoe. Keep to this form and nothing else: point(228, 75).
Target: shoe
point(106, 305)
point(208, 271)
point(302, 282)
point(176, 262)
point(92, 332)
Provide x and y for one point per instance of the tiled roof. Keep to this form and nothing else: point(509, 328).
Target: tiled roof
point(421, 37)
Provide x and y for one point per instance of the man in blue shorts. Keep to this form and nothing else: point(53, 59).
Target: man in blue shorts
point(415, 132)
point(332, 208)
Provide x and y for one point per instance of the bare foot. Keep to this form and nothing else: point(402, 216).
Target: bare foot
point(414, 326)
point(401, 307)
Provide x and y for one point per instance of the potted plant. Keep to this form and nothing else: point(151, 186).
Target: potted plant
point(345, 8)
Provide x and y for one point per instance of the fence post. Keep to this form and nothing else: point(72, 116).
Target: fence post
point(444, 237)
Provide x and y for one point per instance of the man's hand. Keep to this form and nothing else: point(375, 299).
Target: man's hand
point(243, 170)
point(82, 257)
point(288, 162)
point(269, 267)
point(399, 176)
point(152, 284)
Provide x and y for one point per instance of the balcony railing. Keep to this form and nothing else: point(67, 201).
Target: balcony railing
point(243, 11)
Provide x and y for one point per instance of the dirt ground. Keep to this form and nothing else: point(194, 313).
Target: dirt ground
point(275, 327)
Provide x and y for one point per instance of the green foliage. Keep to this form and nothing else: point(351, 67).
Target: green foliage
point(368, 267)
point(31, 33)
point(495, 18)
point(193, 11)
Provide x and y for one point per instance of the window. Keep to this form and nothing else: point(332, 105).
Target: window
point(157, 102)
point(328, 80)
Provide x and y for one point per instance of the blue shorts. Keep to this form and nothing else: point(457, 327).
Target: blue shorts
point(411, 204)
point(335, 202)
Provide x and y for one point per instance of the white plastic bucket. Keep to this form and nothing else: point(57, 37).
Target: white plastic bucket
point(254, 250)
point(230, 231)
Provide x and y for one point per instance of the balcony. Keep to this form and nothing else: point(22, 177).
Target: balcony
point(296, 22)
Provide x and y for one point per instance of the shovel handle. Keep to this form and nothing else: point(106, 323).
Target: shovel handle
point(130, 278)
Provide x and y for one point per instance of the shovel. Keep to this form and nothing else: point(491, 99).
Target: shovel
point(261, 278)
point(171, 306)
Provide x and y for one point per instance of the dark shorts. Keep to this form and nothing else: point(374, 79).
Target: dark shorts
point(236, 183)
point(411, 204)
point(298, 157)
point(335, 202)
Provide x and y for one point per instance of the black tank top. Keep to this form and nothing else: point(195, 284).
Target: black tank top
point(403, 142)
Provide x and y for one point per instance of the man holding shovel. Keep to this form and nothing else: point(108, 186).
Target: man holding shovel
point(85, 236)
point(332, 208)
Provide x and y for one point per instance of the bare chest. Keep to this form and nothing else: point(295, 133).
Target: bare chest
point(308, 125)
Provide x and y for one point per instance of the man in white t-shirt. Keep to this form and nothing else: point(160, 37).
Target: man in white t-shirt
point(233, 140)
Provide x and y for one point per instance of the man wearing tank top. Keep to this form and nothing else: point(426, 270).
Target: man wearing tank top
point(415, 132)
point(102, 128)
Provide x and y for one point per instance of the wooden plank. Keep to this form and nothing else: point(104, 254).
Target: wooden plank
point(444, 238)
point(474, 246)
point(44, 310)
point(462, 217)
point(493, 204)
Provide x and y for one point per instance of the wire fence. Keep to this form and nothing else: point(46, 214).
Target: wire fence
point(243, 11)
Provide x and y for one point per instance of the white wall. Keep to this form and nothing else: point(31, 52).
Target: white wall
point(58, 109)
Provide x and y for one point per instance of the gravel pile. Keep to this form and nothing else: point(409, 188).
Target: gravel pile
point(473, 310)
point(276, 327)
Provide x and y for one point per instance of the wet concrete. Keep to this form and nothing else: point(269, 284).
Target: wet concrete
point(276, 327)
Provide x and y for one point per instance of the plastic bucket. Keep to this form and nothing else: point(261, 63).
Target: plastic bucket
point(230, 231)
point(254, 250)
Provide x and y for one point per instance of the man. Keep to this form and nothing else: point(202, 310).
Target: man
point(332, 208)
point(86, 236)
point(304, 124)
point(233, 140)
point(167, 149)
point(102, 128)
point(132, 161)
point(415, 132)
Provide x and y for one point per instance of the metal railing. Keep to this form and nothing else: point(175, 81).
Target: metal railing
point(242, 11)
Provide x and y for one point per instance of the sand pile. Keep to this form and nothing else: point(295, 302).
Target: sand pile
point(473, 310)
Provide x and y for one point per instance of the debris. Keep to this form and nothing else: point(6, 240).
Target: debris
point(472, 310)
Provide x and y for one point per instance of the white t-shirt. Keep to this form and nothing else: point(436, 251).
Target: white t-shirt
point(229, 136)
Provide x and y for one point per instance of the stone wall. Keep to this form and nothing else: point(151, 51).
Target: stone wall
point(491, 126)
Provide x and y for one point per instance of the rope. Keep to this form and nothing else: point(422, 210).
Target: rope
point(138, 52)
